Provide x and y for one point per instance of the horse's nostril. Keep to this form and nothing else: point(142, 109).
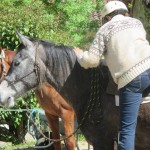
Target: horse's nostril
point(10, 98)
point(10, 102)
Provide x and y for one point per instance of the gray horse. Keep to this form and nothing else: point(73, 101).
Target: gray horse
point(39, 61)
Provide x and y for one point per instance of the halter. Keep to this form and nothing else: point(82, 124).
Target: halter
point(35, 70)
point(2, 57)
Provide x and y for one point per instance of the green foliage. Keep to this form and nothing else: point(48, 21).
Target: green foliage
point(13, 19)
point(66, 23)
point(14, 117)
point(76, 17)
point(72, 19)
point(81, 137)
point(130, 5)
point(20, 146)
point(8, 37)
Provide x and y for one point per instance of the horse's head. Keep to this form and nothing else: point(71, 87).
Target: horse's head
point(6, 57)
point(36, 61)
point(23, 73)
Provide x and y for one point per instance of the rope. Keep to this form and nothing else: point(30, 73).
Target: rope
point(89, 109)
point(53, 140)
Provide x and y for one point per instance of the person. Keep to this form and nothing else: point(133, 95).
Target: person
point(123, 44)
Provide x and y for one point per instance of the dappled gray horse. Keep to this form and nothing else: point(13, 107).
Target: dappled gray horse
point(39, 61)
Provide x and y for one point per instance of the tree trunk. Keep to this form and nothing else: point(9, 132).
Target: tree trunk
point(141, 11)
point(18, 132)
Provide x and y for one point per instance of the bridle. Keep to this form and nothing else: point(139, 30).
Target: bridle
point(36, 70)
point(2, 57)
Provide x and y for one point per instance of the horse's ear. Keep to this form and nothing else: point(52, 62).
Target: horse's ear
point(25, 40)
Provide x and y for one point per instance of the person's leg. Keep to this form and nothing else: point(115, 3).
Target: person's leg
point(130, 99)
point(129, 105)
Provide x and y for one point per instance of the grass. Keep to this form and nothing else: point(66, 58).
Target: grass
point(81, 137)
point(18, 146)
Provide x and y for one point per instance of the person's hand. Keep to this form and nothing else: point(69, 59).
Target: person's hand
point(78, 51)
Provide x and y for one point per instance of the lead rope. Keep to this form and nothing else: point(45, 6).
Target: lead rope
point(47, 138)
point(37, 68)
point(78, 127)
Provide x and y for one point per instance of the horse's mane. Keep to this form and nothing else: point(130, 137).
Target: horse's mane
point(60, 59)
point(59, 51)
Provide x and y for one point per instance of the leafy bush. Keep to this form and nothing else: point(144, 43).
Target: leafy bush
point(16, 118)
point(15, 16)
point(61, 22)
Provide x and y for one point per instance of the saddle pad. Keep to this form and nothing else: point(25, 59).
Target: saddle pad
point(144, 100)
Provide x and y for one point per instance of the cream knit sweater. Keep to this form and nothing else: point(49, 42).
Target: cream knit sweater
point(122, 42)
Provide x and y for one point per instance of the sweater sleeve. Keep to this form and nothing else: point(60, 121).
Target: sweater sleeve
point(91, 58)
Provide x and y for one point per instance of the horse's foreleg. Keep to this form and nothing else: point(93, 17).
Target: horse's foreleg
point(54, 125)
point(68, 123)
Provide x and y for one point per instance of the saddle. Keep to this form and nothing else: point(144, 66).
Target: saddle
point(113, 90)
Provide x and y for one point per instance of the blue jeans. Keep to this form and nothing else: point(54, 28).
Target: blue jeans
point(130, 99)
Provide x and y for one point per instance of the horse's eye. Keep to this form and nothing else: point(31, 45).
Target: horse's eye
point(17, 63)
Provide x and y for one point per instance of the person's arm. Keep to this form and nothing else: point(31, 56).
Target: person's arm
point(91, 58)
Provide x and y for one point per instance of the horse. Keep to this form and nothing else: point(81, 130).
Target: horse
point(39, 61)
point(51, 101)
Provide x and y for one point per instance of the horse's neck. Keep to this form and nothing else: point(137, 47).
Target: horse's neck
point(76, 85)
point(59, 66)
point(9, 56)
